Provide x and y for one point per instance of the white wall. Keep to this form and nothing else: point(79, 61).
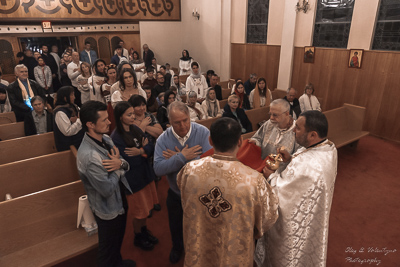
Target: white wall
point(202, 38)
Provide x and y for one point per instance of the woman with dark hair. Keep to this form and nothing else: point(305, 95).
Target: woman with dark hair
point(97, 80)
point(138, 65)
point(184, 63)
point(146, 121)
point(244, 102)
point(196, 82)
point(233, 111)
point(111, 79)
point(67, 125)
point(260, 96)
point(211, 106)
point(308, 101)
point(128, 86)
point(135, 148)
point(152, 104)
point(162, 114)
point(83, 79)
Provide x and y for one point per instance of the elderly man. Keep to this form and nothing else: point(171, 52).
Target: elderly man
point(304, 189)
point(226, 205)
point(277, 131)
point(148, 55)
point(250, 84)
point(179, 144)
point(293, 102)
point(21, 91)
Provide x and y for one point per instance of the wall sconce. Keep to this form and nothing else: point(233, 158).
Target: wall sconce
point(196, 14)
point(303, 6)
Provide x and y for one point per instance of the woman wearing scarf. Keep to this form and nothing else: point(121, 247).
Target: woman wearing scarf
point(195, 111)
point(211, 106)
point(97, 80)
point(185, 63)
point(196, 82)
point(180, 87)
point(138, 65)
point(43, 76)
point(260, 96)
point(5, 105)
point(67, 125)
point(244, 102)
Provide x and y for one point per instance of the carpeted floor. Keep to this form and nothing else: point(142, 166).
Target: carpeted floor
point(365, 213)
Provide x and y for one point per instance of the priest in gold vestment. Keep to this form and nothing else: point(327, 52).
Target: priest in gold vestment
point(226, 205)
point(305, 189)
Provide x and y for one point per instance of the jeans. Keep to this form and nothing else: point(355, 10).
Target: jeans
point(175, 218)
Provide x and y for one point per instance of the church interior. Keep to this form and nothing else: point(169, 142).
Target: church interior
point(272, 38)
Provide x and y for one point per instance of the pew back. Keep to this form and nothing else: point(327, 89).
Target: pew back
point(277, 94)
point(31, 175)
point(226, 93)
point(40, 229)
point(257, 115)
point(27, 147)
point(7, 117)
point(222, 103)
point(12, 130)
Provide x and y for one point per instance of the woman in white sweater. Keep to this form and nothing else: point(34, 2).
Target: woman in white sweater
point(184, 63)
point(308, 101)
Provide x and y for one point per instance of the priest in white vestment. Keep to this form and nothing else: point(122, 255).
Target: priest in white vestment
point(277, 131)
point(226, 205)
point(305, 189)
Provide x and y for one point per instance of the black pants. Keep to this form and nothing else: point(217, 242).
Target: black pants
point(77, 94)
point(111, 234)
point(175, 218)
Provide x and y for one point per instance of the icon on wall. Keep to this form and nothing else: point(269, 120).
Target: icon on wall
point(309, 54)
point(355, 58)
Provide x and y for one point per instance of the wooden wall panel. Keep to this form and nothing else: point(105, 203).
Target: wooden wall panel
point(261, 59)
point(374, 86)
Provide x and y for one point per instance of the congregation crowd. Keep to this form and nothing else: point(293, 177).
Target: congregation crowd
point(134, 121)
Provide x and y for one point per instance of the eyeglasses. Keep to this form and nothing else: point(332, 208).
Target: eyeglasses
point(275, 115)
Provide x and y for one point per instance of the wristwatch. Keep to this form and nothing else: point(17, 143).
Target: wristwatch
point(124, 165)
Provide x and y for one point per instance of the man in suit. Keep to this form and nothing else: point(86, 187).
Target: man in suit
point(88, 55)
point(21, 91)
point(293, 102)
point(148, 55)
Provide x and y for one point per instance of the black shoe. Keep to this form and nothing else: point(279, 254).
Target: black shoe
point(142, 242)
point(175, 255)
point(157, 207)
point(129, 263)
point(149, 236)
point(150, 214)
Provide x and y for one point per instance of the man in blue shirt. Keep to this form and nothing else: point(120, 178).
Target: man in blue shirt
point(182, 142)
point(88, 55)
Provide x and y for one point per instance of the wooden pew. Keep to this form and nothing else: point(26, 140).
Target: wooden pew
point(222, 103)
point(27, 147)
point(40, 229)
point(207, 122)
point(183, 78)
point(225, 93)
point(31, 175)
point(345, 125)
point(257, 115)
point(277, 94)
point(12, 130)
point(224, 84)
point(7, 117)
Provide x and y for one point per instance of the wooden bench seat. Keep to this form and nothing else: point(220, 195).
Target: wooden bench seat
point(35, 174)
point(7, 117)
point(257, 115)
point(345, 125)
point(27, 147)
point(40, 229)
point(278, 94)
point(222, 103)
point(12, 130)
point(225, 93)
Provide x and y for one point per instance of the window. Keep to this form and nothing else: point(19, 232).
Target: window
point(387, 29)
point(6, 57)
point(332, 23)
point(257, 21)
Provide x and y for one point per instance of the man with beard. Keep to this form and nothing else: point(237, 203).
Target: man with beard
point(277, 131)
point(305, 189)
point(102, 171)
point(65, 80)
point(51, 62)
point(250, 84)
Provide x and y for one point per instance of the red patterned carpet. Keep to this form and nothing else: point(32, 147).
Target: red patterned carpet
point(365, 213)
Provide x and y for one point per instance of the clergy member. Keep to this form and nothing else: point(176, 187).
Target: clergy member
point(226, 205)
point(304, 189)
point(277, 131)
